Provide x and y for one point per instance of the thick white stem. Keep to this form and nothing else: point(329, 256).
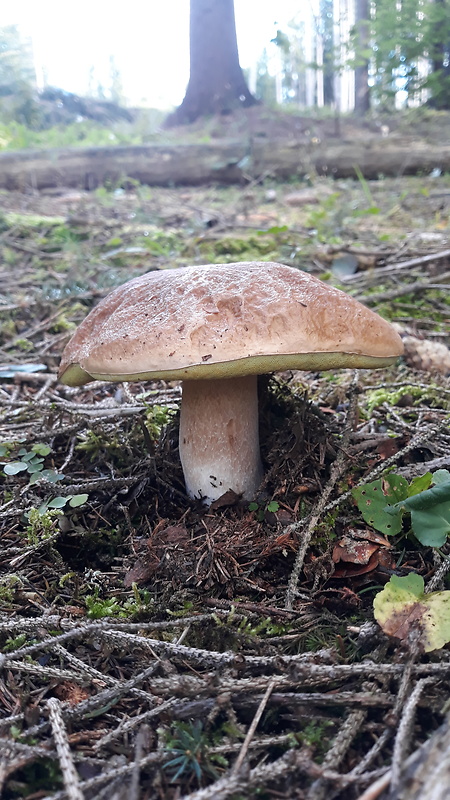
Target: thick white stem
point(219, 441)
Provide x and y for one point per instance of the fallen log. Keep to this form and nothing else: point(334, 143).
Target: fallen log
point(224, 162)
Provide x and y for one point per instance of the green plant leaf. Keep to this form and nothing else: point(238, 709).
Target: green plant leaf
point(432, 530)
point(427, 499)
point(432, 527)
point(26, 455)
point(274, 230)
point(35, 466)
point(441, 476)
point(14, 467)
point(52, 476)
point(373, 498)
point(420, 483)
point(78, 500)
point(430, 512)
point(372, 210)
point(57, 502)
point(41, 449)
point(402, 607)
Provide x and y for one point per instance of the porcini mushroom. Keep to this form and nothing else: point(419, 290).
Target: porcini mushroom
point(216, 327)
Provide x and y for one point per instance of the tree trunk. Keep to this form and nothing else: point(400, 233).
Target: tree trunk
point(329, 66)
point(223, 162)
point(439, 80)
point(216, 84)
point(362, 96)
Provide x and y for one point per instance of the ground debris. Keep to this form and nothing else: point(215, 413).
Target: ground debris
point(152, 635)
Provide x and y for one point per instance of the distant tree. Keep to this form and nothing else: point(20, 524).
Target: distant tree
point(362, 57)
point(17, 78)
point(16, 61)
point(266, 90)
point(329, 57)
point(287, 44)
point(437, 42)
point(308, 58)
point(116, 93)
point(294, 66)
point(217, 84)
point(91, 81)
point(397, 34)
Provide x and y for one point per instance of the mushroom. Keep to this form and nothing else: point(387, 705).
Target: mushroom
point(217, 327)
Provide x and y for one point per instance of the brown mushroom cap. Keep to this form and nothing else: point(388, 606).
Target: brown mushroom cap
point(225, 320)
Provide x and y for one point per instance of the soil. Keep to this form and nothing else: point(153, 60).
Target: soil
point(260, 121)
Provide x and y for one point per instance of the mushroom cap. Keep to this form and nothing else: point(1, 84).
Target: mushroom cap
point(225, 320)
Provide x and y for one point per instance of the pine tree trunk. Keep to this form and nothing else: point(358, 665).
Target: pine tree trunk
point(440, 78)
point(362, 96)
point(216, 84)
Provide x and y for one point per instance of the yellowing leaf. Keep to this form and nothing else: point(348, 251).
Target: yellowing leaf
point(402, 606)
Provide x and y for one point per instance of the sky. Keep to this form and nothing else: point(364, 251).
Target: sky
point(149, 40)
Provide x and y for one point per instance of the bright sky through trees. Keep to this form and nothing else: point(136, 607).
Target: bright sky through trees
point(148, 39)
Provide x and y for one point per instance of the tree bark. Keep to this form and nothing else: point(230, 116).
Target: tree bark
point(224, 162)
point(362, 95)
point(439, 80)
point(216, 84)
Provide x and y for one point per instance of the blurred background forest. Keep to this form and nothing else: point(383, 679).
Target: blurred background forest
point(64, 87)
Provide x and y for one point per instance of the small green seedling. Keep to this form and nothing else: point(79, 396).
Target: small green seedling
point(98, 607)
point(273, 506)
point(43, 520)
point(73, 500)
point(32, 462)
point(156, 418)
point(189, 746)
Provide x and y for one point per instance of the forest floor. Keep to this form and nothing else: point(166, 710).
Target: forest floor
point(167, 650)
point(258, 123)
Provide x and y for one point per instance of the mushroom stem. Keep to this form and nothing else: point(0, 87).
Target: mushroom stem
point(219, 441)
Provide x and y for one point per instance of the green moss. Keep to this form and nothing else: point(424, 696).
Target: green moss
point(100, 443)
point(62, 324)
point(316, 736)
point(40, 778)
point(14, 219)
point(133, 607)
point(8, 328)
point(9, 584)
point(25, 345)
point(41, 526)
point(430, 395)
point(251, 248)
